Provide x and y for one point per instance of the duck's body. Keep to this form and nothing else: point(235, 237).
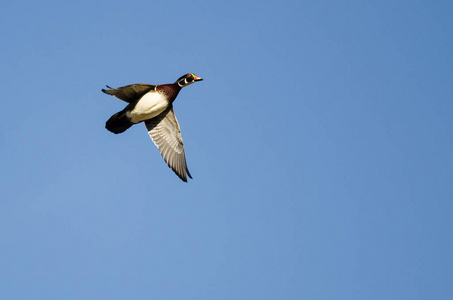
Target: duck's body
point(152, 104)
point(149, 106)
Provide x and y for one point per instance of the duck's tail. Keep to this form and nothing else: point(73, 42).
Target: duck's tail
point(118, 123)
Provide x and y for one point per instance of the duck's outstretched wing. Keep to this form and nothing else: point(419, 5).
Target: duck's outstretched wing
point(130, 93)
point(165, 132)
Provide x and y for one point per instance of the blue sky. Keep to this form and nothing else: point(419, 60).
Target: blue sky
point(320, 143)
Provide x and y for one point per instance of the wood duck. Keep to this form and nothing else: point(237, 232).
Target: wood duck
point(153, 104)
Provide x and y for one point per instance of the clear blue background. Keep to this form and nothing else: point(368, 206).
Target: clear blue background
point(320, 144)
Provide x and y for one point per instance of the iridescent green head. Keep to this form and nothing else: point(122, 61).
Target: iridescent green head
point(187, 79)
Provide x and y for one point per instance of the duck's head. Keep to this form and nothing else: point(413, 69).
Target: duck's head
point(187, 79)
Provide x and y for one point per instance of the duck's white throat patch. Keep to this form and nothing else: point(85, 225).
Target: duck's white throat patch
point(149, 106)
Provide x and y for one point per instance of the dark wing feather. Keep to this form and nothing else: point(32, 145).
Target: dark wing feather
point(130, 93)
point(165, 132)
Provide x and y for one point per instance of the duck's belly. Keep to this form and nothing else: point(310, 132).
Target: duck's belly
point(149, 106)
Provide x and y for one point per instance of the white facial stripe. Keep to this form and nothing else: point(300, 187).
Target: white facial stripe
point(186, 83)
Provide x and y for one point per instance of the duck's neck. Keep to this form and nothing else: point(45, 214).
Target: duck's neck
point(169, 90)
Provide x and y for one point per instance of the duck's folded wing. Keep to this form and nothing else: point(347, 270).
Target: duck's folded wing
point(130, 93)
point(165, 132)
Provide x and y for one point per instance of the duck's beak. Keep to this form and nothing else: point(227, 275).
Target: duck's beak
point(198, 78)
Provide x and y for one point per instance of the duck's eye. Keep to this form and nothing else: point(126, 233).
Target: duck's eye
point(190, 79)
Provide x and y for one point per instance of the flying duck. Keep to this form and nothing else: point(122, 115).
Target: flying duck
point(153, 104)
